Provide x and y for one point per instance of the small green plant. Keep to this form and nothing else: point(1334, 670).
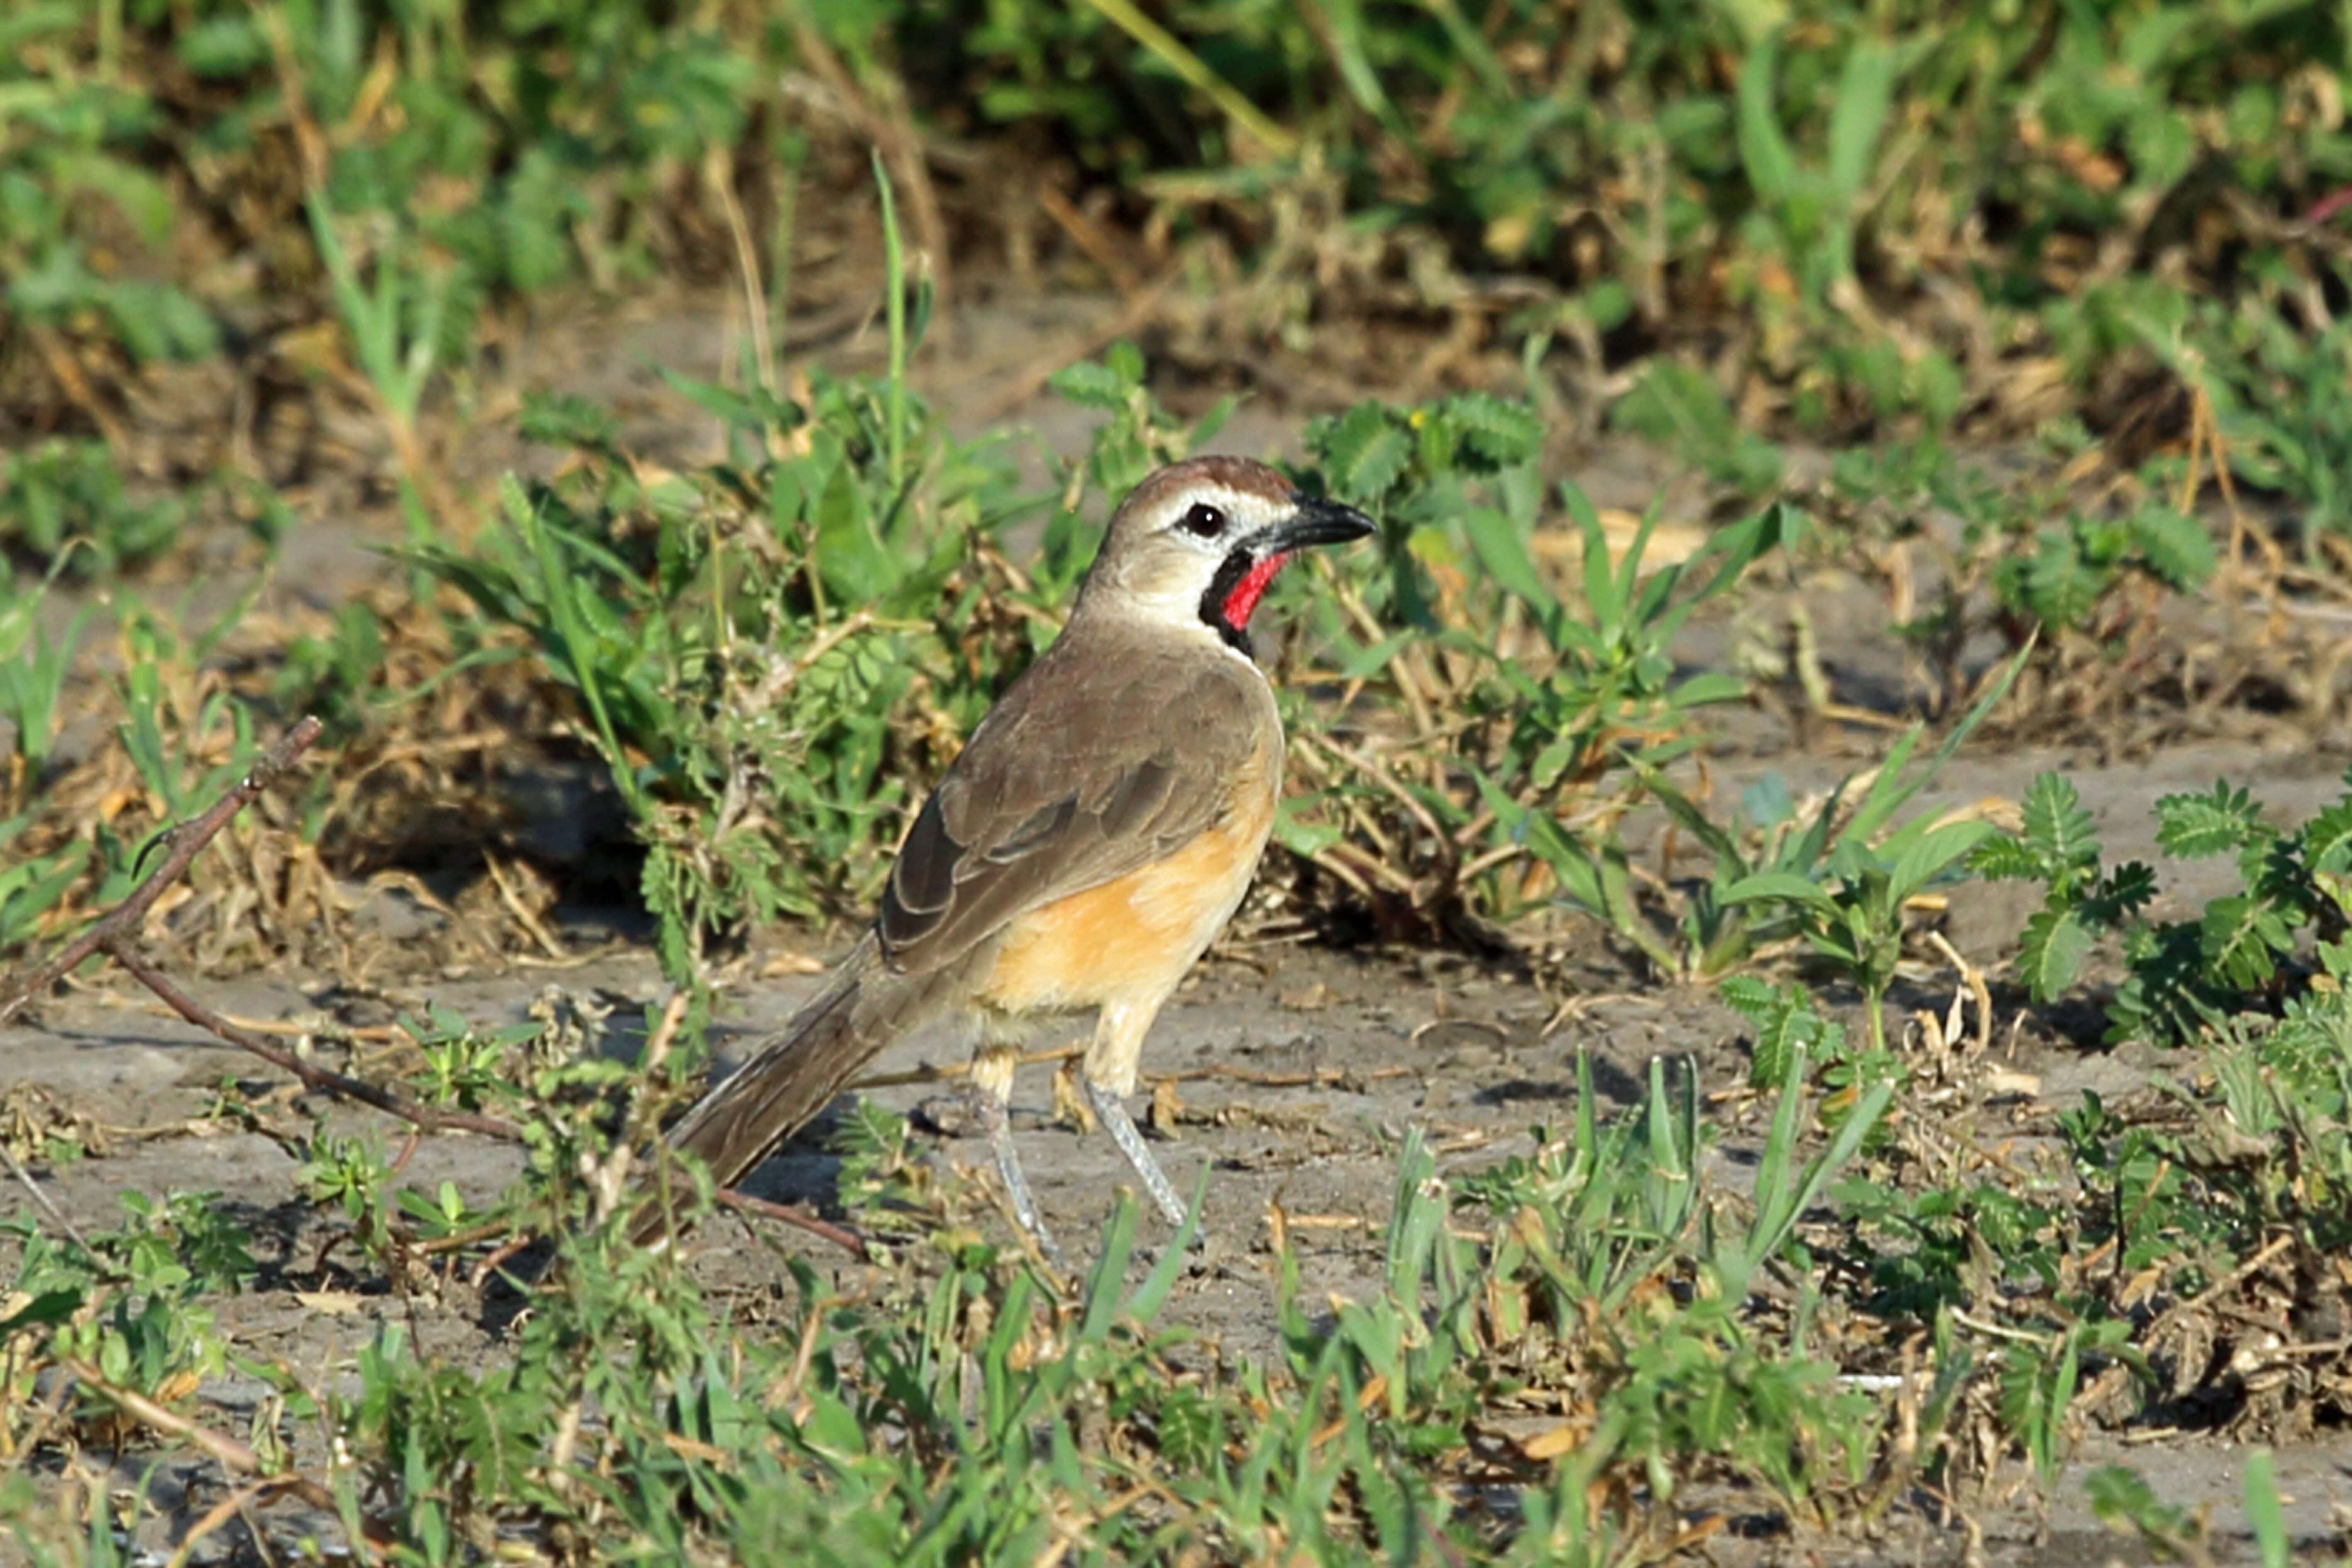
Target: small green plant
point(883, 1185)
point(1964, 1244)
point(2038, 1378)
point(2139, 1196)
point(2031, 565)
point(1569, 730)
point(338, 674)
point(466, 1069)
point(1854, 915)
point(33, 882)
point(64, 508)
point(1786, 1025)
point(132, 1301)
point(1676, 407)
point(32, 671)
point(1788, 1029)
point(349, 1174)
point(1612, 702)
point(2127, 1504)
point(2057, 845)
point(1840, 878)
point(2186, 977)
point(2061, 579)
point(1608, 1275)
point(2282, 403)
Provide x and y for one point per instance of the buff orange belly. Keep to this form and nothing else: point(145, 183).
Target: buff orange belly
point(1130, 940)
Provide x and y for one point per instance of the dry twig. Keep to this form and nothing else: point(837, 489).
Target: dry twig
point(187, 841)
point(114, 933)
point(221, 1448)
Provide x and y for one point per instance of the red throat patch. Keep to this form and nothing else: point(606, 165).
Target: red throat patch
point(1242, 603)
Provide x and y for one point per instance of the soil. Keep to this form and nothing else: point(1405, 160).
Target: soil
point(1301, 1066)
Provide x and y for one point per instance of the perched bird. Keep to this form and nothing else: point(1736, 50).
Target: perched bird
point(1087, 845)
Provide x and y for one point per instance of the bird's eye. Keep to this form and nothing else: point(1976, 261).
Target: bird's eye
point(1203, 521)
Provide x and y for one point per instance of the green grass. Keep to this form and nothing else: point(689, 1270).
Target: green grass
point(969, 1409)
point(1902, 204)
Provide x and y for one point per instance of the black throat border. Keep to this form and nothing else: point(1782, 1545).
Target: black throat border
point(1230, 573)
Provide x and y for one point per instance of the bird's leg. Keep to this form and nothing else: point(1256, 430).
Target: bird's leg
point(1112, 1109)
point(1109, 1072)
point(992, 1103)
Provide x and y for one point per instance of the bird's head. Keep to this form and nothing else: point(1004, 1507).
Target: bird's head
point(1199, 543)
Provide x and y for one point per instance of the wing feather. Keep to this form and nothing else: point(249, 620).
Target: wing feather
point(1055, 795)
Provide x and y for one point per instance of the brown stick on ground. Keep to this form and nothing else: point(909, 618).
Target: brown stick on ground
point(187, 841)
point(314, 1077)
point(222, 1449)
point(114, 934)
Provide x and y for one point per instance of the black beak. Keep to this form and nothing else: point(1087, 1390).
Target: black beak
point(1316, 522)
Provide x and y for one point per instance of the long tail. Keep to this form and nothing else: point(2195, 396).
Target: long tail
point(796, 1072)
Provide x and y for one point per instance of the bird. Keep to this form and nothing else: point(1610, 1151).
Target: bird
point(1095, 835)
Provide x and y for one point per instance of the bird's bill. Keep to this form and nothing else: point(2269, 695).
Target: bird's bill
point(1316, 522)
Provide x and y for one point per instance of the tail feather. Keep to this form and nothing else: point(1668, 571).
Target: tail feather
point(795, 1072)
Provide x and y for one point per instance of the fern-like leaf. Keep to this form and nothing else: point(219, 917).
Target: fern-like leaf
point(1364, 453)
point(2193, 826)
point(2003, 858)
point(2050, 953)
point(2273, 866)
point(2120, 894)
point(2166, 1000)
point(2060, 586)
point(1749, 997)
point(1090, 386)
point(2058, 828)
point(2178, 552)
point(2327, 839)
point(1784, 1022)
point(1503, 432)
point(2241, 938)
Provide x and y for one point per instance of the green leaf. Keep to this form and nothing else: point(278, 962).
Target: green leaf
point(2328, 838)
point(2056, 827)
point(2193, 826)
point(1090, 386)
point(1786, 886)
point(2179, 551)
point(1706, 688)
point(2002, 858)
point(1931, 853)
point(1303, 838)
point(1891, 788)
point(1865, 91)
point(2240, 937)
point(1503, 432)
point(2050, 953)
point(2263, 1514)
point(48, 1310)
point(2060, 586)
point(1504, 554)
point(2120, 895)
point(1764, 150)
point(1364, 454)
